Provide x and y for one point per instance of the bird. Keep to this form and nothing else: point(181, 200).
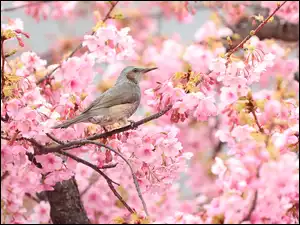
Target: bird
point(116, 104)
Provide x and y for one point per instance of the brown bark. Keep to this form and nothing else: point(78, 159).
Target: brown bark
point(277, 29)
point(66, 206)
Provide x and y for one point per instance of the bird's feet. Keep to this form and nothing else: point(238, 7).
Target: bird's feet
point(132, 124)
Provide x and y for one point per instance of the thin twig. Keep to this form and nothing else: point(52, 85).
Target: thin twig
point(41, 149)
point(78, 47)
point(94, 167)
point(78, 143)
point(130, 167)
point(120, 197)
point(89, 186)
point(32, 159)
point(55, 139)
point(108, 180)
point(109, 166)
point(254, 32)
point(252, 208)
point(254, 201)
point(97, 178)
point(133, 125)
point(256, 121)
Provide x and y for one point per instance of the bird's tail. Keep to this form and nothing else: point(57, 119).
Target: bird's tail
point(78, 119)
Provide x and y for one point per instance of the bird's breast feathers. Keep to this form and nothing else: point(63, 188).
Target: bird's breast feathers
point(115, 113)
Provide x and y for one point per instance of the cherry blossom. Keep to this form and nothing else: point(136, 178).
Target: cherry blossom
point(224, 148)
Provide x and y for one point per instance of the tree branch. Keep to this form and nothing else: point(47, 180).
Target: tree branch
point(252, 208)
point(65, 204)
point(132, 126)
point(88, 187)
point(40, 150)
point(256, 121)
point(32, 159)
point(253, 32)
point(94, 167)
point(254, 201)
point(108, 180)
point(130, 167)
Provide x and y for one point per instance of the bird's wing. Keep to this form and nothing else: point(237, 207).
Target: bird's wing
point(117, 95)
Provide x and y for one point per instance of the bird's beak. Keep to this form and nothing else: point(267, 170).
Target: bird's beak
point(149, 69)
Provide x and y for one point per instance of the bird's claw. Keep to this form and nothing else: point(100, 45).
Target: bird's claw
point(132, 124)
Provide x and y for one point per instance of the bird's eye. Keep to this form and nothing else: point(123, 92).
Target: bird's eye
point(135, 70)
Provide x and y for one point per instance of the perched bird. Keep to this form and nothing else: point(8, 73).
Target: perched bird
point(116, 104)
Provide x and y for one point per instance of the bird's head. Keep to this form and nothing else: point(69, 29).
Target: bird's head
point(133, 73)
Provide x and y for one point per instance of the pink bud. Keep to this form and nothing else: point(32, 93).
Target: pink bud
point(21, 43)
point(26, 34)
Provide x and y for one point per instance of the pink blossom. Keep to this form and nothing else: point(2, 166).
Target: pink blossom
point(31, 60)
point(209, 29)
point(121, 44)
point(50, 162)
point(219, 168)
point(41, 212)
point(13, 24)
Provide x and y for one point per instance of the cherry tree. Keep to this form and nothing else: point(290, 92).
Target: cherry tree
point(222, 111)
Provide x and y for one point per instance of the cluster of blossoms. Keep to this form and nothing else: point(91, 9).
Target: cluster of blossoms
point(157, 159)
point(32, 110)
point(108, 44)
point(14, 29)
point(236, 147)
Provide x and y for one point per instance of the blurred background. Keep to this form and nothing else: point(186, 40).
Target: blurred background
point(56, 37)
point(44, 33)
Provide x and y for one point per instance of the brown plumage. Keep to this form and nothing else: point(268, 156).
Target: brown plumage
point(116, 104)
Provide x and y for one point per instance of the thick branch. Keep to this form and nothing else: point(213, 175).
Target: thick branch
point(277, 29)
point(59, 212)
point(108, 179)
point(65, 203)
